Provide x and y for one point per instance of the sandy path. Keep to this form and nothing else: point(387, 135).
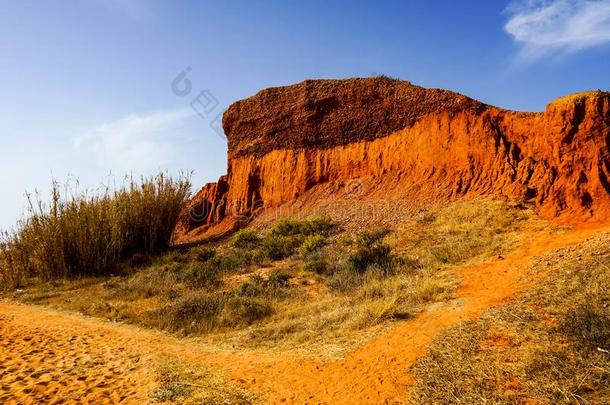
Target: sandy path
point(50, 355)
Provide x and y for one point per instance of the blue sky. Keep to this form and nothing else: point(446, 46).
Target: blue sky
point(87, 85)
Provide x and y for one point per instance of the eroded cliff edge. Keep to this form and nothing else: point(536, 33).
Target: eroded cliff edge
point(409, 143)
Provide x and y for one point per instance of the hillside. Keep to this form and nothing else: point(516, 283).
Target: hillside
point(396, 144)
point(372, 242)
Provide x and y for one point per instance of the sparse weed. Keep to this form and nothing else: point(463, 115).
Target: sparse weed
point(461, 232)
point(588, 322)
point(186, 384)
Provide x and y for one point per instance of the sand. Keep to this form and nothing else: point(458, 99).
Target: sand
point(50, 356)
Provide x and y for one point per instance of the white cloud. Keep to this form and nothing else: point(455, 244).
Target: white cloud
point(543, 27)
point(135, 142)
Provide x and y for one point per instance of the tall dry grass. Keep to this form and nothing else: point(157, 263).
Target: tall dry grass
point(85, 233)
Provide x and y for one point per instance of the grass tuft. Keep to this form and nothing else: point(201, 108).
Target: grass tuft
point(190, 385)
point(371, 251)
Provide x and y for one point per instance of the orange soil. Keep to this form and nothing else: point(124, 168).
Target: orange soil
point(403, 145)
point(46, 354)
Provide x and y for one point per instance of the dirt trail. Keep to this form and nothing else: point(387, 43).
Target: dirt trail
point(46, 354)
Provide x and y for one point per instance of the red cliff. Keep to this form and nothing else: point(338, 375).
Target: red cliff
point(288, 144)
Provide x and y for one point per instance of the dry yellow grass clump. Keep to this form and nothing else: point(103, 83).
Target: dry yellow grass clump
point(186, 384)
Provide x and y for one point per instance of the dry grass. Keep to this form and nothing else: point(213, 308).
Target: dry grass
point(186, 384)
point(318, 291)
point(551, 346)
point(82, 233)
point(466, 230)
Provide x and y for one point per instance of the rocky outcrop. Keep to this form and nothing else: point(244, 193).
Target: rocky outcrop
point(286, 142)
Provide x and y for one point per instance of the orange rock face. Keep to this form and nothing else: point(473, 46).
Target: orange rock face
point(285, 143)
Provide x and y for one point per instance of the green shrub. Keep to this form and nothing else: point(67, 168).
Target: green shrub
point(204, 253)
point(247, 289)
point(372, 238)
point(365, 257)
point(312, 243)
point(245, 238)
point(277, 247)
point(194, 313)
point(79, 233)
point(371, 251)
point(259, 286)
point(308, 226)
point(286, 227)
point(234, 261)
point(317, 224)
point(201, 275)
point(277, 279)
point(245, 311)
point(316, 263)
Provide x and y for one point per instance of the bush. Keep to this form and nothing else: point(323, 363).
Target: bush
point(312, 243)
point(371, 251)
point(195, 313)
point(245, 311)
point(277, 279)
point(365, 257)
point(317, 224)
point(247, 289)
point(277, 247)
point(245, 238)
point(200, 275)
point(316, 263)
point(372, 238)
point(309, 226)
point(80, 233)
point(205, 312)
point(235, 260)
point(204, 253)
point(588, 323)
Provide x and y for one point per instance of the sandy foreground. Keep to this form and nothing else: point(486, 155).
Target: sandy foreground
point(49, 356)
